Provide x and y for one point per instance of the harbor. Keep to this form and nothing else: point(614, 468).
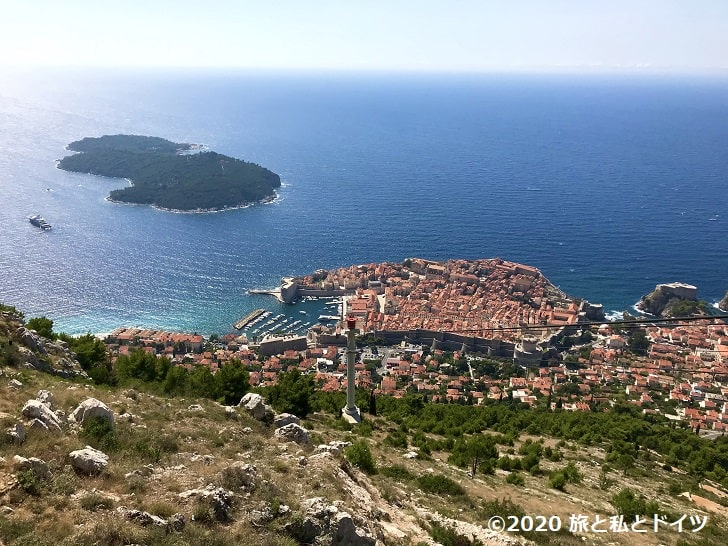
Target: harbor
point(296, 318)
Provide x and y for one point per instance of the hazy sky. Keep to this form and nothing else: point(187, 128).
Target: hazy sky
point(455, 35)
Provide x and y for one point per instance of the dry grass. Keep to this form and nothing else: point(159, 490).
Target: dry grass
point(164, 433)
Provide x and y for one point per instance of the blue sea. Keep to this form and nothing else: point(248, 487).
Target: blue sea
point(608, 184)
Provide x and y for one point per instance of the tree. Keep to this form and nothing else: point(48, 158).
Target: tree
point(231, 382)
point(372, 403)
point(201, 382)
point(481, 447)
point(90, 350)
point(638, 342)
point(42, 325)
point(176, 380)
point(293, 393)
point(359, 455)
point(628, 504)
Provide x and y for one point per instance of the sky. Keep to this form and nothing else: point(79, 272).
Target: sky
point(669, 36)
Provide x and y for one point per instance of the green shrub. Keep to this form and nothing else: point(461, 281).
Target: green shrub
point(202, 514)
point(30, 482)
point(99, 432)
point(439, 485)
point(515, 478)
point(359, 455)
point(572, 474)
point(447, 536)
point(94, 502)
point(629, 504)
point(557, 481)
point(396, 472)
point(396, 439)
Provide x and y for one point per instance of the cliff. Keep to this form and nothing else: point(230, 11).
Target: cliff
point(723, 304)
point(672, 300)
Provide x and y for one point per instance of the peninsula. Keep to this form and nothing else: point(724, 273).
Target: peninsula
point(169, 175)
point(483, 305)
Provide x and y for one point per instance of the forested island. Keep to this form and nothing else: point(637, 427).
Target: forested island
point(170, 175)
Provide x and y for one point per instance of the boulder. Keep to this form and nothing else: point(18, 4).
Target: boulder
point(346, 533)
point(38, 426)
point(46, 397)
point(38, 466)
point(91, 408)
point(221, 500)
point(284, 419)
point(28, 358)
point(195, 407)
point(293, 433)
point(256, 406)
point(15, 384)
point(30, 339)
point(89, 460)
point(34, 409)
point(16, 433)
point(323, 523)
point(142, 518)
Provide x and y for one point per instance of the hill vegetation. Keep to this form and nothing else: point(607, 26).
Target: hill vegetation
point(181, 450)
point(171, 175)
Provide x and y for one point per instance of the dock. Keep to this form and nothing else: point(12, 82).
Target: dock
point(276, 292)
point(247, 319)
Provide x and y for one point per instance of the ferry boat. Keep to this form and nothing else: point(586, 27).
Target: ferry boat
point(39, 221)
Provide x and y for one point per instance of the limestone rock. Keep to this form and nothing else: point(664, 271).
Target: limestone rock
point(323, 523)
point(723, 304)
point(38, 426)
point(231, 413)
point(142, 518)
point(16, 433)
point(15, 384)
point(144, 472)
point(220, 500)
point(335, 447)
point(38, 466)
point(283, 419)
point(195, 407)
point(91, 407)
point(240, 474)
point(176, 523)
point(255, 405)
point(30, 339)
point(89, 460)
point(345, 532)
point(35, 409)
point(46, 397)
point(30, 361)
point(293, 433)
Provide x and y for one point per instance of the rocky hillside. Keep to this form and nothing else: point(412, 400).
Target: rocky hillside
point(82, 465)
point(25, 349)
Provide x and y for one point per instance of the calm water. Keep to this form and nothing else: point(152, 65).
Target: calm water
point(609, 185)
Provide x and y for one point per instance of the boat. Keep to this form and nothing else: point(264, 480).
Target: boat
point(39, 221)
point(302, 312)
